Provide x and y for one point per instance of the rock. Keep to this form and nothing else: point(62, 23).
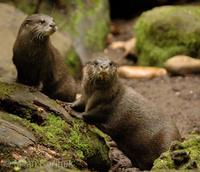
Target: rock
point(167, 31)
point(33, 133)
point(8, 31)
point(185, 157)
point(127, 46)
point(122, 52)
point(182, 65)
point(119, 161)
point(19, 99)
point(10, 21)
point(139, 72)
point(15, 135)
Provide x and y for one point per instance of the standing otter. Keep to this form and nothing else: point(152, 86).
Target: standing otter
point(38, 62)
point(139, 129)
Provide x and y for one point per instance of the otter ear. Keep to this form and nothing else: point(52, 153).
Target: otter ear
point(115, 64)
point(88, 63)
point(27, 22)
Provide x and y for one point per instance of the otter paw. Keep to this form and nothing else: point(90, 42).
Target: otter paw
point(76, 115)
point(33, 89)
point(63, 104)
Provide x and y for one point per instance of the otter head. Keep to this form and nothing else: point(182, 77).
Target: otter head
point(40, 26)
point(100, 72)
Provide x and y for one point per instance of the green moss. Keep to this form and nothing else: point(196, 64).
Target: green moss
point(52, 132)
point(75, 142)
point(89, 23)
point(86, 144)
point(73, 62)
point(77, 139)
point(24, 5)
point(191, 146)
point(6, 89)
point(11, 118)
point(164, 162)
point(98, 32)
point(100, 133)
point(167, 31)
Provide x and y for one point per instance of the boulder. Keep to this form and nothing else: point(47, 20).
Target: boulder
point(182, 65)
point(167, 31)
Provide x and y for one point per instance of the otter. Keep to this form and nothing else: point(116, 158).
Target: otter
point(140, 130)
point(38, 62)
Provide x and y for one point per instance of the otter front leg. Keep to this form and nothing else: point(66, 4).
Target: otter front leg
point(99, 114)
point(90, 117)
point(78, 105)
point(39, 87)
point(76, 114)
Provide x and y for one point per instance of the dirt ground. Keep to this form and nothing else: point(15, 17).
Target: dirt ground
point(178, 97)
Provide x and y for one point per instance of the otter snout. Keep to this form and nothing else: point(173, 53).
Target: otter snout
point(53, 26)
point(104, 66)
point(104, 69)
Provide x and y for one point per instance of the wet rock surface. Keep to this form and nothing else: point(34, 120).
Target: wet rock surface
point(140, 72)
point(15, 135)
point(182, 65)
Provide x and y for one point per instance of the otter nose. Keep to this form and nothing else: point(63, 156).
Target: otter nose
point(104, 65)
point(53, 25)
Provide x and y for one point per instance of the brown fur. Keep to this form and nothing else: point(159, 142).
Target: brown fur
point(141, 131)
point(38, 62)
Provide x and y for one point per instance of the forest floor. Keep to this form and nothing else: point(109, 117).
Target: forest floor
point(177, 96)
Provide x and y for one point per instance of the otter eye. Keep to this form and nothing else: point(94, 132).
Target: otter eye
point(96, 63)
point(42, 21)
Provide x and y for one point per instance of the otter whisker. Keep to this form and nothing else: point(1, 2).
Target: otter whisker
point(40, 36)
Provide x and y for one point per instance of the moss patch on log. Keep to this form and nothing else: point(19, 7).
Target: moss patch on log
point(74, 141)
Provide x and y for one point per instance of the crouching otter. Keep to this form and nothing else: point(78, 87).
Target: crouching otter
point(140, 130)
point(38, 62)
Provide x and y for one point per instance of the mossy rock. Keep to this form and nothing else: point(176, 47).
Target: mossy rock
point(66, 141)
point(167, 31)
point(181, 156)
